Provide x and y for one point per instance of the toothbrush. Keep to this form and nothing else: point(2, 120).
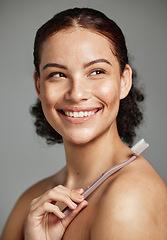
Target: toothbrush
point(138, 148)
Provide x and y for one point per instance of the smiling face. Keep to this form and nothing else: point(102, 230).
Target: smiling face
point(80, 86)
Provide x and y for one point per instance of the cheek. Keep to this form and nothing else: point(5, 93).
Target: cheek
point(49, 95)
point(109, 93)
point(49, 99)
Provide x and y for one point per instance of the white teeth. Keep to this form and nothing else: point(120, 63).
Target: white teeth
point(68, 114)
point(79, 114)
point(76, 114)
point(85, 114)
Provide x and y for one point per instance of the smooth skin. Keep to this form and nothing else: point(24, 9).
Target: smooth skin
point(79, 72)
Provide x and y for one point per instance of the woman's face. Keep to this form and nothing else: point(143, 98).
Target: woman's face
point(80, 84)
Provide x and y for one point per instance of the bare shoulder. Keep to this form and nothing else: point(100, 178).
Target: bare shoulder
point(14, 227)
point(133, 206)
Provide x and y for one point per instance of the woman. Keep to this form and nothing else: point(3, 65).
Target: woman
point(84, 84)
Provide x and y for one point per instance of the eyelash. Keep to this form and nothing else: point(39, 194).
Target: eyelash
point(98, 72)
point(55, 73)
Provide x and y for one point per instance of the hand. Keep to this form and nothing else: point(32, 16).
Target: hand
point(44, 221)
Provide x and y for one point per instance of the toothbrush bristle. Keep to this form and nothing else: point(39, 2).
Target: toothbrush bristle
point(139, 147)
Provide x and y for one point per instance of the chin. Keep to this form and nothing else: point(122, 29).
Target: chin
point(79, 138)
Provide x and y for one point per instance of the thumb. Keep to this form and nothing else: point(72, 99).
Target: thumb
point(66, 221)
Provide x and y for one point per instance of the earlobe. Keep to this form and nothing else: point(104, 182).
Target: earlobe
point(37, 83)
point(126, 81)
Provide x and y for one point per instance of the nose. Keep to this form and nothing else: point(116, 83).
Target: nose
point(77, 91)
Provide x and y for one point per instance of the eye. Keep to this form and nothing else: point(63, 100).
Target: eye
point(57, 75)
point(97, 72)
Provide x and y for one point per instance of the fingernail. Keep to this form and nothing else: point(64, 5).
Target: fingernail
point(62, 215)
point(85, 203)
point(74, 205)
point(80, 197)
point(80, 190)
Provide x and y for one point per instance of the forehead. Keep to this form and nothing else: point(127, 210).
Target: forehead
point(77, 42)
point(76, 33)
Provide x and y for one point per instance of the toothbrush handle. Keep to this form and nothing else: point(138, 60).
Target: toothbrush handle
point(107, 174)
point(99, 181)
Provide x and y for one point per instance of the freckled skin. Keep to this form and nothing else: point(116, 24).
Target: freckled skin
point(80, 88)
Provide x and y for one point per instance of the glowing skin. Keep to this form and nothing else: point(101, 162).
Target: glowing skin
point(80, 85)
point(80, 88)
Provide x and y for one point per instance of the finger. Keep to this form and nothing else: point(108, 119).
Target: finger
point(66, 221)
point(59, 194)
point(47, 195)
point(76, 195)
point(73, 194)
point(46, 208)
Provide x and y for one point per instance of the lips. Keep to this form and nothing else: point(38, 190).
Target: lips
point(79, 113)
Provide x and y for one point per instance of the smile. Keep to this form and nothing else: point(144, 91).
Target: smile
point(79, 114)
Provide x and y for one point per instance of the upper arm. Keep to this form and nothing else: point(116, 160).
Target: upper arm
point(128, 223)
point(15, 224)
point(14, 228)
point(131, 212)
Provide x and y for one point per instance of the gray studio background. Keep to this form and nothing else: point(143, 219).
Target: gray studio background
point(24, 158)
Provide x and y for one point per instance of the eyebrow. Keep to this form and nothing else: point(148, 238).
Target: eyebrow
point(100, 60)
point(54, 65)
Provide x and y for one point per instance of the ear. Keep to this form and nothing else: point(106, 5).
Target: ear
point(37, 83)
point(126, 81)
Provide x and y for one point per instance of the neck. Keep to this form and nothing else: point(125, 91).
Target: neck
point(86, 162)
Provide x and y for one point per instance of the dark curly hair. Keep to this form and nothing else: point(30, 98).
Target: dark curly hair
point(129, 115)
